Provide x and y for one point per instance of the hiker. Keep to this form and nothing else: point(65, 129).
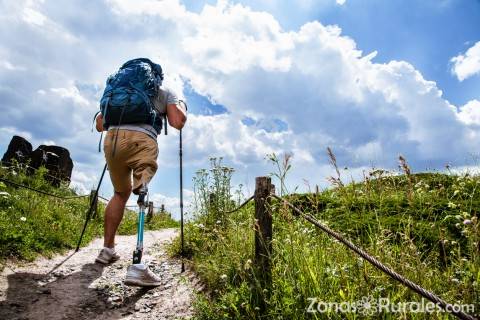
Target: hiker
point(133, 110)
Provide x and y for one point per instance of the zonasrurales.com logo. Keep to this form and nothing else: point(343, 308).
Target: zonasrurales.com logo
point(369, 306)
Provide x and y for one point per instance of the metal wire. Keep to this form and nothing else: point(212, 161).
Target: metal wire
point(240, 206)
point(103, 198)
point(413, 286)
point(40, 191)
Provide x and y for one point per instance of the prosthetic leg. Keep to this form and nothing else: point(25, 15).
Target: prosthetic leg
point(138, 274)
point(137, 254)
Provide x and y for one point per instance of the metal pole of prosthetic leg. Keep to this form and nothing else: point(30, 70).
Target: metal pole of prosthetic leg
point(137, 254)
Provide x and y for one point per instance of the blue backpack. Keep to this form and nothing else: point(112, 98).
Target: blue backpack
point(129, 93)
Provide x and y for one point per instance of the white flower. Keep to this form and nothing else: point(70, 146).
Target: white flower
point(23, 219)
point(467, 221)
point(223, 277)
point(4, 194)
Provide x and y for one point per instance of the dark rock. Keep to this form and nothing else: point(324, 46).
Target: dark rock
point(15, 304)
point(45, 291)
point(19, 149)
point(56, 160)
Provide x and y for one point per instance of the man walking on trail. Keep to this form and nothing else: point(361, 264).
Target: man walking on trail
point(133, 107)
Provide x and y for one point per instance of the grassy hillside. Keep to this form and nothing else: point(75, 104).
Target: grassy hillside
point(424, 226)
point(32, 223)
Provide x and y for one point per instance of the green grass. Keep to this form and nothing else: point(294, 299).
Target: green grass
point(400, 219)
point(32, 223)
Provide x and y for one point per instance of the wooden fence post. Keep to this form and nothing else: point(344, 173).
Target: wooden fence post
point(263, 231)
point(150, 211)
point(94, 199)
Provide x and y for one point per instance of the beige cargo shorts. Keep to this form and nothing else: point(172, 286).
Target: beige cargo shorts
point(135, 155)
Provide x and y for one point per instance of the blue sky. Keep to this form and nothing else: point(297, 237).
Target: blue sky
point(371, 79)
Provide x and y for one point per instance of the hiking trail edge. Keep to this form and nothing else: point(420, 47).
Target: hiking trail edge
point(75, 287)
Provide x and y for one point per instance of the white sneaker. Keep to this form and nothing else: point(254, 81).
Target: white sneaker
point(140, 275)
point(107, 256)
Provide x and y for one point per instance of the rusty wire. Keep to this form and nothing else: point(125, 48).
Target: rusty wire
point(377, 264)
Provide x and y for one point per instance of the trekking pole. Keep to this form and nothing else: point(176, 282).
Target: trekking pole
point(90, 210)
point(181, 194)
point(181, 200)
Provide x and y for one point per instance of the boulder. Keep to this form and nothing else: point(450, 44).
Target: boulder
point(56, 160)
point(19, 149)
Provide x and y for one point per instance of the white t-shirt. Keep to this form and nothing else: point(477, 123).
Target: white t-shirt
point(165, 97)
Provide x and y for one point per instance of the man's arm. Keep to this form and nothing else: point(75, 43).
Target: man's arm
point(99, 123)
point(176, 115)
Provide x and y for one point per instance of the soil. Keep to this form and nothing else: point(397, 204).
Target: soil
point(73, 286)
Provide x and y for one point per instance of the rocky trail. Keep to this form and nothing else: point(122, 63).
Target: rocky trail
point(73, 286)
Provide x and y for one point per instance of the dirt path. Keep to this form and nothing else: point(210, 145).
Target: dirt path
point(74, 287)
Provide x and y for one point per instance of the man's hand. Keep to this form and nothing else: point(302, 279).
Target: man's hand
point(99, 123)
point(177, 115)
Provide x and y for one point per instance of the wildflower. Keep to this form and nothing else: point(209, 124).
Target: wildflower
point(218, 221)
point(4, 194)
point(455, 280)
point(223, 277)
point(23, 219)
point(467, 222)
point(248, 264)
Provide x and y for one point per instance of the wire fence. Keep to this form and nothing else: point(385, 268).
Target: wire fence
point(240, 206)
point(19, 185)
point(377, 264)
point(359, 251)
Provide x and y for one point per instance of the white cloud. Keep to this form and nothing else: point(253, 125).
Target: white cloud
point(82, 182)
point(71, 93)
point(9, 66)
point(341, 2)
point(34, 17)
point(172, 204)
point(468, 64)
point(314, 80)
point(470, 113)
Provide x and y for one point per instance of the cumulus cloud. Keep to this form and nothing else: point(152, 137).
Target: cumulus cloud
point(302, 90)
point(468, 64)
point(470, 113)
